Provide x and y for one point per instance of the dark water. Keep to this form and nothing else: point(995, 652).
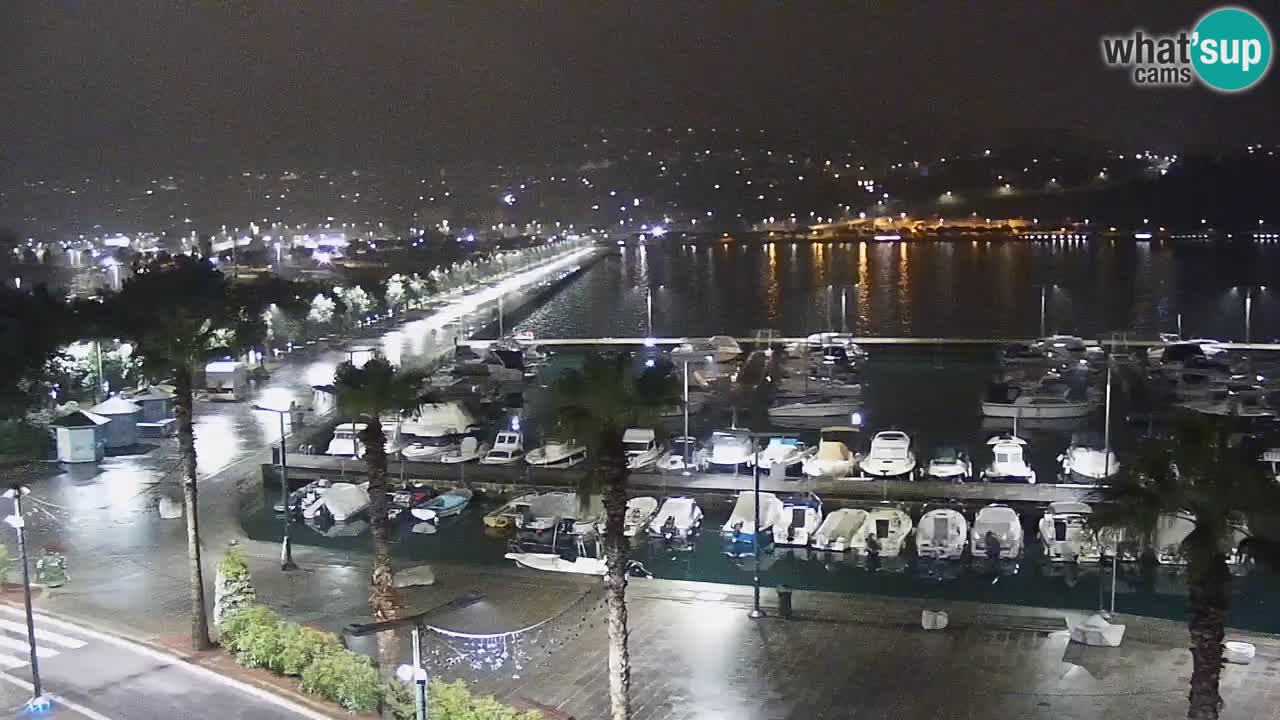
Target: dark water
point(923, 289)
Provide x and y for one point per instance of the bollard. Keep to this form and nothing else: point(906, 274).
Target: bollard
point(784, 602)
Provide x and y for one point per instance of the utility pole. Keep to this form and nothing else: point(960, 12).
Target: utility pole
point(37, 703)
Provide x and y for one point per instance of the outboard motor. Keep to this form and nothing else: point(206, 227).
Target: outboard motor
point(669, 528)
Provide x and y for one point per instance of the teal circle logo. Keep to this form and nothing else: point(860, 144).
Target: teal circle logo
point(1231, 49)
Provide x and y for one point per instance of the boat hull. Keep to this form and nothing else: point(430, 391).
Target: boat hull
point(1037, 412)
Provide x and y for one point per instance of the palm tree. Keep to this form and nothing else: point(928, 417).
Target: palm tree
point(596, 405)
point(367, 392)
point(1195, 471)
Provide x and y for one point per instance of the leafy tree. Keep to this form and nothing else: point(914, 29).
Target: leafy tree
point(33, 327)
point(1198, 472)
point(596, 405)
point(367, 393)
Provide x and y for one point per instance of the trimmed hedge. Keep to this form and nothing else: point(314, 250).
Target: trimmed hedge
point(451, 701)
point(345, 678)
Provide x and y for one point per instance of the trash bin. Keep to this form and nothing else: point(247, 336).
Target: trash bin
point(784, 602)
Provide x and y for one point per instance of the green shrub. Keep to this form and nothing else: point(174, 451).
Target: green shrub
point(248, 628)
point(301, 646)
point(398, 698)
point(345, 678)
point(259, 645)
point(454, 701)
point(234, 587)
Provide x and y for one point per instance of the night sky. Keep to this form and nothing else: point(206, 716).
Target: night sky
point(178, 86)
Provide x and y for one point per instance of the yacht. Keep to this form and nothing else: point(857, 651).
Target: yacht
point(677, 519)
point(884, 533)
point(1007, 461)
point(949, 463)
point(729, 448)
point(557, 454)
point(642, 448)
point(640, 512)
point(996, 530)
point(942, 534)
point(1012, 402)
point(741, 525)
point(782, 452)
point(890, 455)
point(683, 455)
point(1066, 535)
point(508, 448)
point(1083, 461)
point(834, 458)
point(799, 521)
point(440, 420)
point(838, 528)
point(814, 407)
point(470, 450)
point(346, 441)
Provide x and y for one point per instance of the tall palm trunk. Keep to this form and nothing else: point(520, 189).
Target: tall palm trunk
point(613, 464)
point(183, 407)
point(1209, 585)
point(383, 601)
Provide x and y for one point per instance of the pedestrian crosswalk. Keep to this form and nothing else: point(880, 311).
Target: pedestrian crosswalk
point(15, 651)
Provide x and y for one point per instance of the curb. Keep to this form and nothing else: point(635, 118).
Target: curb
point(293, 701)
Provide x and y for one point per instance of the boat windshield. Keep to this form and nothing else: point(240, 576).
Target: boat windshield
point(500, 453)
point(636, 446)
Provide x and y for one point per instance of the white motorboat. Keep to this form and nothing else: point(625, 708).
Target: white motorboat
point(640, 512)
point(799, 521)
point(1232, 404)
point(823, 340)
point(545, 511)
point(942, 534)
point(884, 533)
point(1172, 530)
point(834, 458)
point(1183, 352)
point(890, 455)
point(642, 448)
point(1066, 535)
point(346, 441)
point(1011, 402)
point(1271, 457)
point(803, 385)
point(1084, 463)
point(949, 463)
point(505, 516)
point(470, 450)
point(508, 448)
point(444, 505)
point(556, 454)
point(838, 529)
point(1007, 461)
point(782, 452)
point(429, 449)
point(1062, 347)
point(685, 454)
point(741, 525)
point(436, 420)
point(341, 501)
point(730, 448)
point(551, 562)
point(719, 348)
point(303, 496)
point(814, 407)
point(997, 531)
point(677, 519)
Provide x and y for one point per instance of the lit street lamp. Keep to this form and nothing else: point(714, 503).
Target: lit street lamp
point(286, 545)
point(38, 702)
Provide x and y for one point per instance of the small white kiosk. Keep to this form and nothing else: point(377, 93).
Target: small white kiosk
point(81, 436)
point(122, 431)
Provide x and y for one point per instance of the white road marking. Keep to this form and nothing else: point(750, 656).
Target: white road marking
point(43, 635)
point(15, 644)
point(58, 699)
point(11, 663)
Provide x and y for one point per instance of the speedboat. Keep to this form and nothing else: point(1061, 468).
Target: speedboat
point(949, 463)
point(884, 533)
point(834, 459)
point(1181, 352)
point(678, 519)
point(741, 525)
point(996, 531)
point(782, 452)
point(640, 511)
point(429, 449)
point(552, 562)
point(890, 455)
point(719, 348)
point(470, 450)
point(505, 516)
point(942, 534)
point(444, 505)
point(799, 521)
point(346, 440)
point(341, 501)
point(303, 496)
point(814, 407)
point(403, 501)
point(1172, 530)
point(642, 448)
point(729, 448)
point(563, 510)
point(1007, 461)
point(805, 385)
point(838, 528)
point(440, 420)
point(556, 454)
point(508, 448)
point(1066, 535)
point(1080, 461)
point(683, 455)
point(1011, 402)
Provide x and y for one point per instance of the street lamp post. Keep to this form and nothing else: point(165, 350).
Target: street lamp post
point(286, 544)
point(37, 703)
point(1044, 296)
point(1248, 315)
point(648, 297)
point(756, 611)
